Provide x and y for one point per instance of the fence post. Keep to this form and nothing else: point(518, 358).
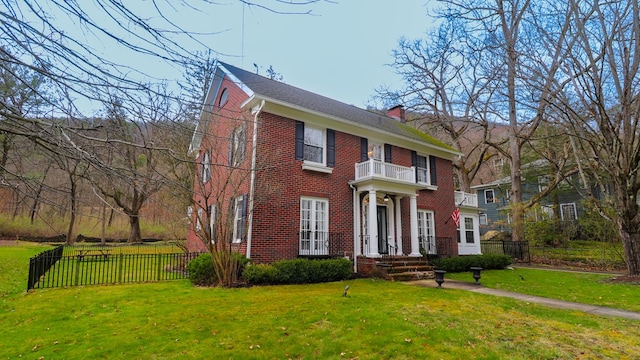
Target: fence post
point(120, 259)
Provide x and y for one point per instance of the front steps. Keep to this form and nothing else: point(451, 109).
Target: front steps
point(405, 268)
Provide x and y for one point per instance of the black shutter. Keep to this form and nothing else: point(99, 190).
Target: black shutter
point(364, 149)
point(331, 148)
point(387, 153)
point(414, 163)
point(299, 140)
point(432, 170)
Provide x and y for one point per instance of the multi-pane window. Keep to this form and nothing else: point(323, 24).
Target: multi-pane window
point(206, 166)
point(314, 145)
point(469, 232)
point(237, 143)
point(489, 196)
point(426, 230)
point(568, 211)
point(238, 218)
point(483, 219)
point(422, 167)
point(314, 226)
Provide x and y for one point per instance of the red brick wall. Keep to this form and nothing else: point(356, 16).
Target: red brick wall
point(226, 183)
point(277, 208)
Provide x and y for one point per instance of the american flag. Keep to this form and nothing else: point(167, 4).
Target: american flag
point(455, 216)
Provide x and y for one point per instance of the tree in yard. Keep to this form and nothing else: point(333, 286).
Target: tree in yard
point(489, 64)
point(601, 103)
point(126, 168)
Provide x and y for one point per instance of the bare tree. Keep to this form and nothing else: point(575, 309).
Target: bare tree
point(602, 105)
point(490, 64)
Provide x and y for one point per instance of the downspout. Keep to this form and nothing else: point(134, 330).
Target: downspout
point(356, 225)
point(252, 189)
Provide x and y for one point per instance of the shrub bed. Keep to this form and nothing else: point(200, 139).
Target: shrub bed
point(463, 263)
point(298, 271)
point(202, 272)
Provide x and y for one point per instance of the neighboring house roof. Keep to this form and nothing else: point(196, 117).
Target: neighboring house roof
point(536, 164)
point(260, 87)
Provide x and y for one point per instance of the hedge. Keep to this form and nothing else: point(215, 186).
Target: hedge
point(299, 271)
point(463, 263)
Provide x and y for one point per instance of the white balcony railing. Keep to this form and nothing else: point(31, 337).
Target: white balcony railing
point(465, 199)
point(376, 168)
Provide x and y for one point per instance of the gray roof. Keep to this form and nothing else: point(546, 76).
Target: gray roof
point(280, 91)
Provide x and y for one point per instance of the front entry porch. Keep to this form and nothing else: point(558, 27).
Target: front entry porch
point(379, 225)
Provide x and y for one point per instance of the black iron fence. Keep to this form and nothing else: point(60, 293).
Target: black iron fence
point(321, 244)
point(41, 263)
point(518, 250)
point(94, 266)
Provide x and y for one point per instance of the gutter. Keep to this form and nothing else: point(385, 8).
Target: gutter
point(254, 153)
point(356, 226)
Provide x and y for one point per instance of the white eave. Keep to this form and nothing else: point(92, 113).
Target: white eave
point(301, 113)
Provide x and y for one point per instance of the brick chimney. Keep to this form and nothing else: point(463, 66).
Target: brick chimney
point(397, 112)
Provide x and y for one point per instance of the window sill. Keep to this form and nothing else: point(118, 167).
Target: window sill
point(316, 167)
point(428, 186)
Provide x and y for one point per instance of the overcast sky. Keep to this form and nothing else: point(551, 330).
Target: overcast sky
point(342, 52)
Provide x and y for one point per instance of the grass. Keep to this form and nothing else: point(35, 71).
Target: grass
point(378, 320)
point(597, 253)
point(590, 288)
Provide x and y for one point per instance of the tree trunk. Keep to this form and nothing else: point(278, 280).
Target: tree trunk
point(72, 219)
point(134, 229)
point(630, 240)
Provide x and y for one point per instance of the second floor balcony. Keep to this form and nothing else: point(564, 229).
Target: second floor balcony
point(379, 170)
point(465, 199)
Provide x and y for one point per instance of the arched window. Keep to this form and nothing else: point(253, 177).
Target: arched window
point(224, 96)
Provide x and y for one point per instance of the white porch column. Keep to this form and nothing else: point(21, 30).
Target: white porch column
point(399, 226)
point(413, 207)
point(373, 224)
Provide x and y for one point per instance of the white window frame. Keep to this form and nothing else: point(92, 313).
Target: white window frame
point(376, 151)
point(493, 196)
point(483, 219)
point(237, 219)
point(314, 226)
point(310, 130)
point(199, 215)
point(238, 145)
point(467, 220)
point(423, 171)
point(206, 166)
point(427, 230)
point(212, 222)
point(564, 215)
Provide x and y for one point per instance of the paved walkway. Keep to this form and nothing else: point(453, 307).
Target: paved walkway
point(591, 309)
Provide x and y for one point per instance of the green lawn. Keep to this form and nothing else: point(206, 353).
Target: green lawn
point(378, 320)
point(587, 288)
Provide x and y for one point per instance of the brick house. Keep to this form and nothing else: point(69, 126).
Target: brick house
point(301, 175)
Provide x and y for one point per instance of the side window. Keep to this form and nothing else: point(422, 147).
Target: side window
point(206, 166)
point(240, 214)
point(489, 197)
point(237, 144)
point(313, 145)
point(568, 211)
